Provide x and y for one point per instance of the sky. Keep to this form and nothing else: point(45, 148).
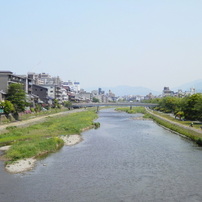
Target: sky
point(104, 43)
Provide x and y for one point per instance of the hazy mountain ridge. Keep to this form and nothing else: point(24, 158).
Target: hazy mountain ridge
point(197, 84)
point(129, 90)
point(142, 91)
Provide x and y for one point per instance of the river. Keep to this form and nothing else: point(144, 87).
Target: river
point(126, 160)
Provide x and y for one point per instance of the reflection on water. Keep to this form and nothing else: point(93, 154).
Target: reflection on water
point(125, 160)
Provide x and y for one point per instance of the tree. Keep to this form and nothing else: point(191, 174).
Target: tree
point(56, 104)
point(17, 96)
point(179, 114)
point(8, 108)
point(170, 104)
point(192, 107)
point(67, 104)
point(95, 100)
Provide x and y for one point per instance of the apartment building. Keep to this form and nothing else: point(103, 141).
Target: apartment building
point(41, 92)
point(54, 92)
point(7, 77)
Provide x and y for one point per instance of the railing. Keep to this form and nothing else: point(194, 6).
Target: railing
point(114, 104)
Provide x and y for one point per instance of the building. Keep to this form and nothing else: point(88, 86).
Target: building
point(167, 92)
point(72, 86)
point(83, 96)
point(2, 96)
point(150, 96)
point(44, 79)
point(54, 92)
point(7, 77)
point(41, 92)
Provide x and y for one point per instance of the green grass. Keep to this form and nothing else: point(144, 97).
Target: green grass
point(33, 148)
point(42, 113)
point(167, 116)
point(27, 141)
point(133, 110)
point(193, 135)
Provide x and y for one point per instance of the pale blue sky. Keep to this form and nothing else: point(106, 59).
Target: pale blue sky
point(150, 43)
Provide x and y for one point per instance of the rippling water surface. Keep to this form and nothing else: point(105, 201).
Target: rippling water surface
point(125, 160)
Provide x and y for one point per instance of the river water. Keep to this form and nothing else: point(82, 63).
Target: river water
point(125, 160)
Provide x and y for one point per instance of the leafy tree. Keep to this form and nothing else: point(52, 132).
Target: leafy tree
point(95, 100)
point(17, 96)
point(37, 108)
point(67, 104)
point(179, 114)
point(8, 107)
point(170, 104)
point(198, 107)
point(192, 107)
point(56, 104)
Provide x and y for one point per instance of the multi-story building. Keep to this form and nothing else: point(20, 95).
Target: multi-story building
point(54, 92)
point(44, 79)
point(83, 96)
point(7, 77)
point(65, 96)
point(41, 92)
point(72, 86)
point(2, 96)
point(150, 96)
point(167, 92)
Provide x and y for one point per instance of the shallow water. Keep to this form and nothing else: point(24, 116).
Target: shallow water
point(125, 160)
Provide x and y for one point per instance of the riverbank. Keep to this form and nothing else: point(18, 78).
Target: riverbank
point(35, 120)
point(71, 140)
point(27, 164)
point(187, 131)
point(174, 125)
point(30, 141)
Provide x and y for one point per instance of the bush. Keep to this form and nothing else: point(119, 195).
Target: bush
point(96, 125)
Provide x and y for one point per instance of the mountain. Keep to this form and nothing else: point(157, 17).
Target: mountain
point(129, 90)
point(197, 84)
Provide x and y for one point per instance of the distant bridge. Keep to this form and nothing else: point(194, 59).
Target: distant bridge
point(118, 104)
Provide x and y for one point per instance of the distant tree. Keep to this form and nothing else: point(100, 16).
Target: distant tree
point(179, 114)
point(67, 104)
point(192, 107)
point(56, 104)
point(95, 100)
point(198, 108)
point(17, 96)
point(170, 104)
point(38, 108)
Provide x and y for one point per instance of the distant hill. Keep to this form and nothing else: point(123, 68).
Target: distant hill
point(197, 84)
point(129, 90)
point(142, 91)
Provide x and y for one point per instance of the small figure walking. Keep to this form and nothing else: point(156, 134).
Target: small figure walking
point(191, 125)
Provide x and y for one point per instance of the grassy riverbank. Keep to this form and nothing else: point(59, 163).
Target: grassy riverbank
point(134, 110)
point(179, 128)
point(42, 138)
point(169, 122)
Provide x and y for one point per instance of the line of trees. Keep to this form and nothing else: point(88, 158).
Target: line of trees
point(189, 108)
